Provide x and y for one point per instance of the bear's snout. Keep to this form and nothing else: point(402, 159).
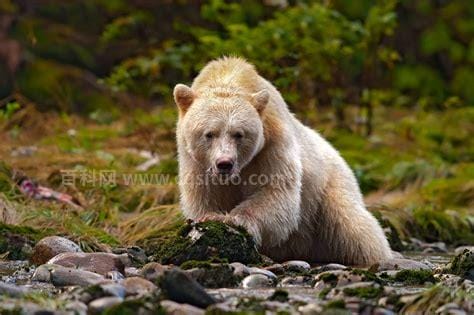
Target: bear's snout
point(224, 165)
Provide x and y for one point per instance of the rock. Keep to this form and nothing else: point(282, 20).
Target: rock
point(462, 265)
point(240, 270)
point(100, 263)
point(276, 269)
point(461, 249)
point(76, 308)
point(450, 308)
point(51, 246)
point(18, 241)
point(63, 276)
point(438, 247)
point(173, 308)
point(398, 264)
point(180, 287)
point(254, 281)
point(260, 271)
point(310, 309)
point(103, 289)
point(202, 242)
point(153, 271)
point(11, 290)
point(331, 267)
point(296, 281)
point(114, 275)
point(138, 286)
point(296, 266)
point(362, 290)
point(100, 305)
point(135, 253)
point(132, 272)
point(214, 276)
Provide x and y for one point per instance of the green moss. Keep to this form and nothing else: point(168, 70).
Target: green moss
point(216, 240)
point(324, 292)
point(279, 295)
point(366, 275)
point(18, 240)
point(414, 277)
point(336, 304)
point(364, 292)
point(137, 306)
point(328, 277)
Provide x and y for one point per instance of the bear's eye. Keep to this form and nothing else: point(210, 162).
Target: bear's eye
point(209, 135)
point(238, 135)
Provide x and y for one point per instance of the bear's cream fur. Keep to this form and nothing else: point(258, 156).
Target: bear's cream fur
point(310, 209)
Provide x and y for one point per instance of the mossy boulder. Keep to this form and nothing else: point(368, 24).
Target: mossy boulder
point(462, 265)
point(202, 241)
point(414, 277)
point(18, 241)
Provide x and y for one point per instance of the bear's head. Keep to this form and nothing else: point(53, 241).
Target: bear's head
point(221, 129)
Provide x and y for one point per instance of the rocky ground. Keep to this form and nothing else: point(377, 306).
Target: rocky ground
point(215, 269)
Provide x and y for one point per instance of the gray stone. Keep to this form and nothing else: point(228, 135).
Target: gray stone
point(114, 275)
point(399, 264)
point(240, 270)
point(173, 308)
point(179, 287)
point(63, 276)
point(257, 271)
point(138, 286)
point(461, 249)
point(295, 281)
point(310, 309)
point(101, 304)
point(296, 265)
point(11, 290)
point(331, 267)
point(51, 246)
point(254, 281)
point(153, 271)
point(76, 308)
point(100, 263)
point(276, 269)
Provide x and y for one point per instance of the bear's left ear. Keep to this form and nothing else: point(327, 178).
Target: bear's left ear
point(260, 100)
point(183, 96)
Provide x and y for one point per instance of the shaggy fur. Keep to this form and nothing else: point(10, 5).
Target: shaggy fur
point(311, 209)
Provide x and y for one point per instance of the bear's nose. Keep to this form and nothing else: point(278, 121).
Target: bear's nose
point(224, 165)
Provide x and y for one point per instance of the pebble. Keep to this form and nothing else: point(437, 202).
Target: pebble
point(399, 264)
point(136, 254)
point(114, 275)
point(296, 266)
point(461, 249)
point(331, 267)
point(276, 269)
point(180, 287)
point(51, 246)
point(310, 309)
point(173, 308)
point(11, 290)
point(76, 308)
point(240, 270)
point(254, 281)
point(101, 304)
point(268, 273)
point(63, 276)
point(295, 281)
point(153, 271)
point(138, 286)
point(100, 263)
point(132, 272)
point(338, 292)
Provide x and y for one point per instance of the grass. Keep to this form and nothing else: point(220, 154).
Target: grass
point(416, 171)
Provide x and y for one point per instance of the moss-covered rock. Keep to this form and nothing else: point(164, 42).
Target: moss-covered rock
point(213, 275)
point(462, 265)
point(202, 241)
point(18, 241)
point(414, 277)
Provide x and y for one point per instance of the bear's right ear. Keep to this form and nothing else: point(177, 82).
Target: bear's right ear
point(183, 96)
point(260, 100)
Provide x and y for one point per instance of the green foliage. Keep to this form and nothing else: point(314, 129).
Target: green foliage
point(414, 277)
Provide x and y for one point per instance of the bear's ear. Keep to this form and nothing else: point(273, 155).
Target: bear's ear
point(183, 96)
point(260, 100)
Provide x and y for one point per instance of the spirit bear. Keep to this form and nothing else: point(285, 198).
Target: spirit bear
point(244, 159)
